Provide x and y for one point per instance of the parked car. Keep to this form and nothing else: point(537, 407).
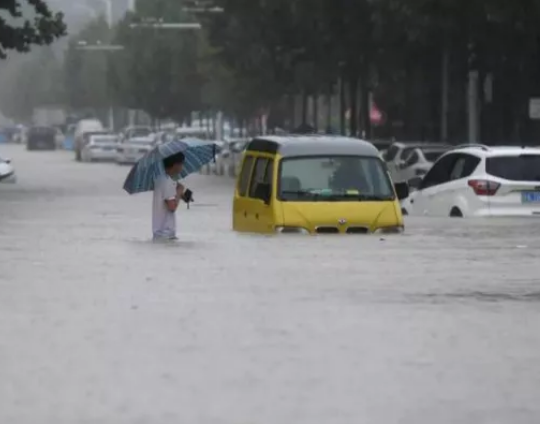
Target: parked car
point(59, 138)
point(131, 150)
point(222, 161)
point(7, 171)
point(163, 137)
point(100, 147)
point(237, 145)
point(382, 146)
point(398, 152)
point(193, 132)
point(135, 131)
point(84, 127)
point(419, 162)
point(41, 138)
point(479, 181)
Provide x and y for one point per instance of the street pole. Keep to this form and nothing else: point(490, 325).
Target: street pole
point(110, 24)
point(105, 48)
point(472, 107)
point(444, 95)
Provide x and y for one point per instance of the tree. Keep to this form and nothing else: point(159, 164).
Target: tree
point(158, 70)
point(42, 29)
point(86, 71)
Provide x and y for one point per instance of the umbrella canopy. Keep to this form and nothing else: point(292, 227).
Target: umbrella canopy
point(197, 152)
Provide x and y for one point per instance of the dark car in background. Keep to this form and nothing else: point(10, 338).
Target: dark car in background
point(41, 138)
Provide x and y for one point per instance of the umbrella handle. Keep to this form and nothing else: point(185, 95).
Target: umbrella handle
point(214, 152)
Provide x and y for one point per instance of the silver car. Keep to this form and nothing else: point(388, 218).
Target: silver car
point(100, 147)
point(130, 151)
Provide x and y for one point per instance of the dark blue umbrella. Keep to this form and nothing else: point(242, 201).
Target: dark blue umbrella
point(197, 152)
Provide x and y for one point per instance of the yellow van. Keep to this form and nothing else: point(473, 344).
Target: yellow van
point(315, 185)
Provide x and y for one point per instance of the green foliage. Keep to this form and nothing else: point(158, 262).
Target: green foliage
point(20, 31)
point(86, 71)
point(158, 70)
point(257, 52)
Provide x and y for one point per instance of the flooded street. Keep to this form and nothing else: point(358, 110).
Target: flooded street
point(100, 325)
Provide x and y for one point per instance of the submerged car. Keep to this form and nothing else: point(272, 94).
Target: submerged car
point(130, 151)
point(7, 171)
point(100, 147)
point(41, 138)
point(479, 181)
point(316, 185)
point(420, 161)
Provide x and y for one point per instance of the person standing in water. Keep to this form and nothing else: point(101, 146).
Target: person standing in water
point(167, 196)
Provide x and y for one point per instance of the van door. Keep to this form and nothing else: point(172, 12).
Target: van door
point(260, 212)
point(241, 201)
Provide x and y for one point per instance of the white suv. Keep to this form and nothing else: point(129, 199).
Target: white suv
point(477, 180)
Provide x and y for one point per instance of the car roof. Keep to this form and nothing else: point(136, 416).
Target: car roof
point(138, 127)
point(102, 135)
point(312, 145)
point(434, 148)
point(145, 138)
point(491, 151)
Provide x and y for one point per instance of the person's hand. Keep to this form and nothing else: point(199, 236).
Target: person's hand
point(180, 190)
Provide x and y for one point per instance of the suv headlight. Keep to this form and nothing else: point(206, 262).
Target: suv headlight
point(291, 230)
point(396, 229)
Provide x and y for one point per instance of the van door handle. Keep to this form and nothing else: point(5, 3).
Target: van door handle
point(245, 214)
point(256, 216)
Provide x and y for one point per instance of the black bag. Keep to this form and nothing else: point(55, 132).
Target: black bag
point(188, 196)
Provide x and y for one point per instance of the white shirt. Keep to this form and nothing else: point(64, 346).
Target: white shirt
point(163, 220)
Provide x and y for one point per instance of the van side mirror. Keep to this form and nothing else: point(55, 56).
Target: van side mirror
point(263, 192)
point(402, 190)
point(415, 182)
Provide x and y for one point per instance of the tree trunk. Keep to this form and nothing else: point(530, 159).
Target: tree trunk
point(329, 107)
point(365, 106)
point(304, 107)
point(353, 96)
point(316, 111)
point(342, 106)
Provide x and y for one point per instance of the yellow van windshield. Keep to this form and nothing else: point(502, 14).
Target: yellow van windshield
point(334, 178)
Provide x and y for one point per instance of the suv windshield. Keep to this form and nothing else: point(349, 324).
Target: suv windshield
point(515, 168)
point(334, 178)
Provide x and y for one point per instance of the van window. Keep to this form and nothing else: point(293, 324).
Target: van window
point(243, 181)
point(260, 175)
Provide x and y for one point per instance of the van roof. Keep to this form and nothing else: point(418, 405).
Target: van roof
point(312, 145)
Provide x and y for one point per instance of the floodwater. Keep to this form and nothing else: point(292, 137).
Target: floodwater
point(100, 325)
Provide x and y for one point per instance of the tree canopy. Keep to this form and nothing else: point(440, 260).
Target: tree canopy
point(36, 24)
point(270, 55)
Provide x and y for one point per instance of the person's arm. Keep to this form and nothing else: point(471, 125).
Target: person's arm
point(171, 195)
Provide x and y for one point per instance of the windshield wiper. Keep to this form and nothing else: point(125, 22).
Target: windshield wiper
point(303, 193)
point(367, 197)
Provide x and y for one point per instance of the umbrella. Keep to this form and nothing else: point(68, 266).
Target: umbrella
point(197, 152)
